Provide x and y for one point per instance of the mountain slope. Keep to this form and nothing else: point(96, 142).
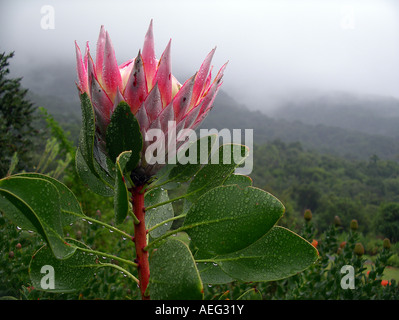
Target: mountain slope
point(369, 114)
point(327, 139)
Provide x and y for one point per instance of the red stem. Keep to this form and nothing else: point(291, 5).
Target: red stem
point(140, 240)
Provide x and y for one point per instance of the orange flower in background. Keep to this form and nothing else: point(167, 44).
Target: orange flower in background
point(314, 243)
point(342, 244)
point(384, 283)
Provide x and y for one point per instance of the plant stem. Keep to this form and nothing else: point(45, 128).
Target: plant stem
point(140, 240)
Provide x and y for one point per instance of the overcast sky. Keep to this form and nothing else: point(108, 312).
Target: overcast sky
point(274, 47)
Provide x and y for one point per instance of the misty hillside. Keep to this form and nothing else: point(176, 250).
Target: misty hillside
point(334, 138)
point(342, 125)
point(370, 114)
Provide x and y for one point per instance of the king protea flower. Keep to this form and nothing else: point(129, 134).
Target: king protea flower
point(147, 85)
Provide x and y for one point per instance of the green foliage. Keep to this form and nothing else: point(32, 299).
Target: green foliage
point(323, 280)
point(388, 221)
point(328, 185)
point(16, 120)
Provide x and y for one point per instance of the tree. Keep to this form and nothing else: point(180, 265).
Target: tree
point(16, 116)
point(388, 221)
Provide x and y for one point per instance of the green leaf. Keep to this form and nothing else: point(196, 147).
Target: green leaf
point(69, 205)
point(121, 197)
point(211, 273)
point(230, 218)
point(67, 275)
point(277, 255)
point(90, 179)
point(214, 174)
point(174, 275)
point(87, 167)
point(34, 204)
point(179, 172)
point(159, 214)
point(86, 138)
point(123, 134)
point(201, 149)
point(238, 179)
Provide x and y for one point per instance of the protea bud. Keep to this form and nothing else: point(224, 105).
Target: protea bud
point(337, 221)
point(307, 215)
point(386, 244)
point(155, 97)
point(359, 249)
point(354, 225)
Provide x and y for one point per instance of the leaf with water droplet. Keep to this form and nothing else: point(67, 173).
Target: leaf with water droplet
point(91, 173)
point(90, 179)
point(228, 218)
point(34, 204)
point(70, 274)
point(159, 214)
point(279, 254)
point(238, 179)
point(69, 204)
point(173, 273)
point(221, 165)
point(211, 273)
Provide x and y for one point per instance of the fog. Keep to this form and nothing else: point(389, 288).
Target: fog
point(275, 48)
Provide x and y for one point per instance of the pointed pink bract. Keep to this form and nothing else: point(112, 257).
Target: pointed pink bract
point(164, 76)
point(136, 86)
point(149, 59)
point(81, 70)
point(111, 77)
